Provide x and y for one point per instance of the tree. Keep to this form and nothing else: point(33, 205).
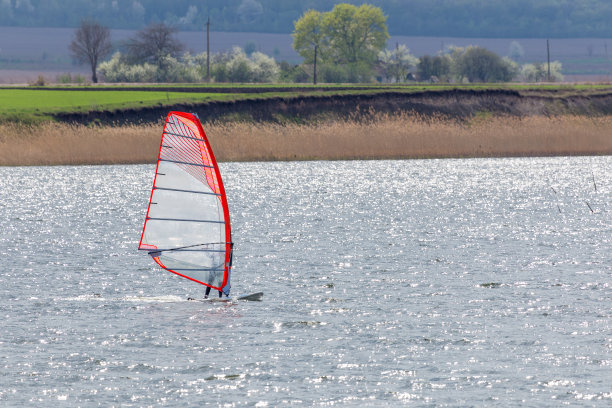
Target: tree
point(477, 64)
point(348, 36)
point(91, 43)
point(356, 34)
point(265, 69)
point(438, 66)
point(236, 66)
point(309, 39)
point(154, 44)
point(396, 63)
point(538, 72)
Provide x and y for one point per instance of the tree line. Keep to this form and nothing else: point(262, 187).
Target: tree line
point(346, 44)
point(154, 54)
point(457, 18)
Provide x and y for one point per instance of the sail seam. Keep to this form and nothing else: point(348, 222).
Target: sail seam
point(188, 163)
point(188, 250)
point(186, 137)
point(189, 246)
point(180, 250)
point(185, 191)
point(180, 219)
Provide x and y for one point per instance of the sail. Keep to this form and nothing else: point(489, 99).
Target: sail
point(187, 227)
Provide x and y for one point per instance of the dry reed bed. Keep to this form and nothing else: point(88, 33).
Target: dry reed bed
point(381, 137)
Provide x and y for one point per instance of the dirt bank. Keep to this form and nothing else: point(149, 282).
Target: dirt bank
point(455, 103)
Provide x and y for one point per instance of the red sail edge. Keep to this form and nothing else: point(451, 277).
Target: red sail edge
point(185, 145)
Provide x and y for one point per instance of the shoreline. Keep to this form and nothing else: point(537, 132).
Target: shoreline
point(379, 136)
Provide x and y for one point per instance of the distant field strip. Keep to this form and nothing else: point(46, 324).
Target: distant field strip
point(45, 102)
point(383, 137)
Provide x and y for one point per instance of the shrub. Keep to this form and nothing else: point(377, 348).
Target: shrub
point(538, 72)
point(117, 70)
point(395, 64)
point(40, 81)
point(264, 68)
point(438, 66)
point(64, 78)
point(173, 70)
point(332, 73)
point(477, 64)
point(237, 67)
point(293, 73)
point(67, 78)
point(226, 67)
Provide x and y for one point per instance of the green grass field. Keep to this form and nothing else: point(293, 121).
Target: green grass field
point(40, 104)
point(33, 105)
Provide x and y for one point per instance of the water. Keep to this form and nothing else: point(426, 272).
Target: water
point(423, 283)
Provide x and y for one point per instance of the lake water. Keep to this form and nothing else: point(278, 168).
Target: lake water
point(481, 282)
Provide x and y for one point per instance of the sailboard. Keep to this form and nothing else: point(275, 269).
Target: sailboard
point(187, 228)
point(253, 297)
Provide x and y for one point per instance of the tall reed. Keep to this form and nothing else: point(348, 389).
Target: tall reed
point(379, 137)
point(57, 143)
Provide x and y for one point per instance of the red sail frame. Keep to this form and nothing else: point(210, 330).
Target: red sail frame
point(207, 158)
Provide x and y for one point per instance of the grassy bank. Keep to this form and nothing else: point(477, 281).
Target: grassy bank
point(129, 103)
point(380, 137)
point(38, 105)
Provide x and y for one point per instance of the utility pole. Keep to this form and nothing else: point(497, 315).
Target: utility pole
point(208, 49)
point(314, 77)
point(548, 58)
point(607, 62)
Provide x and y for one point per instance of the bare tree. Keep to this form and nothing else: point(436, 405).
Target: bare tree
point(90, 44)
point(153, 44)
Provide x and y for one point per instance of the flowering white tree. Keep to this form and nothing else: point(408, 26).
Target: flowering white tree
point(238, 67)
point(538, 72)
point(265, 69)
point(396, 63)
point(232, 66)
